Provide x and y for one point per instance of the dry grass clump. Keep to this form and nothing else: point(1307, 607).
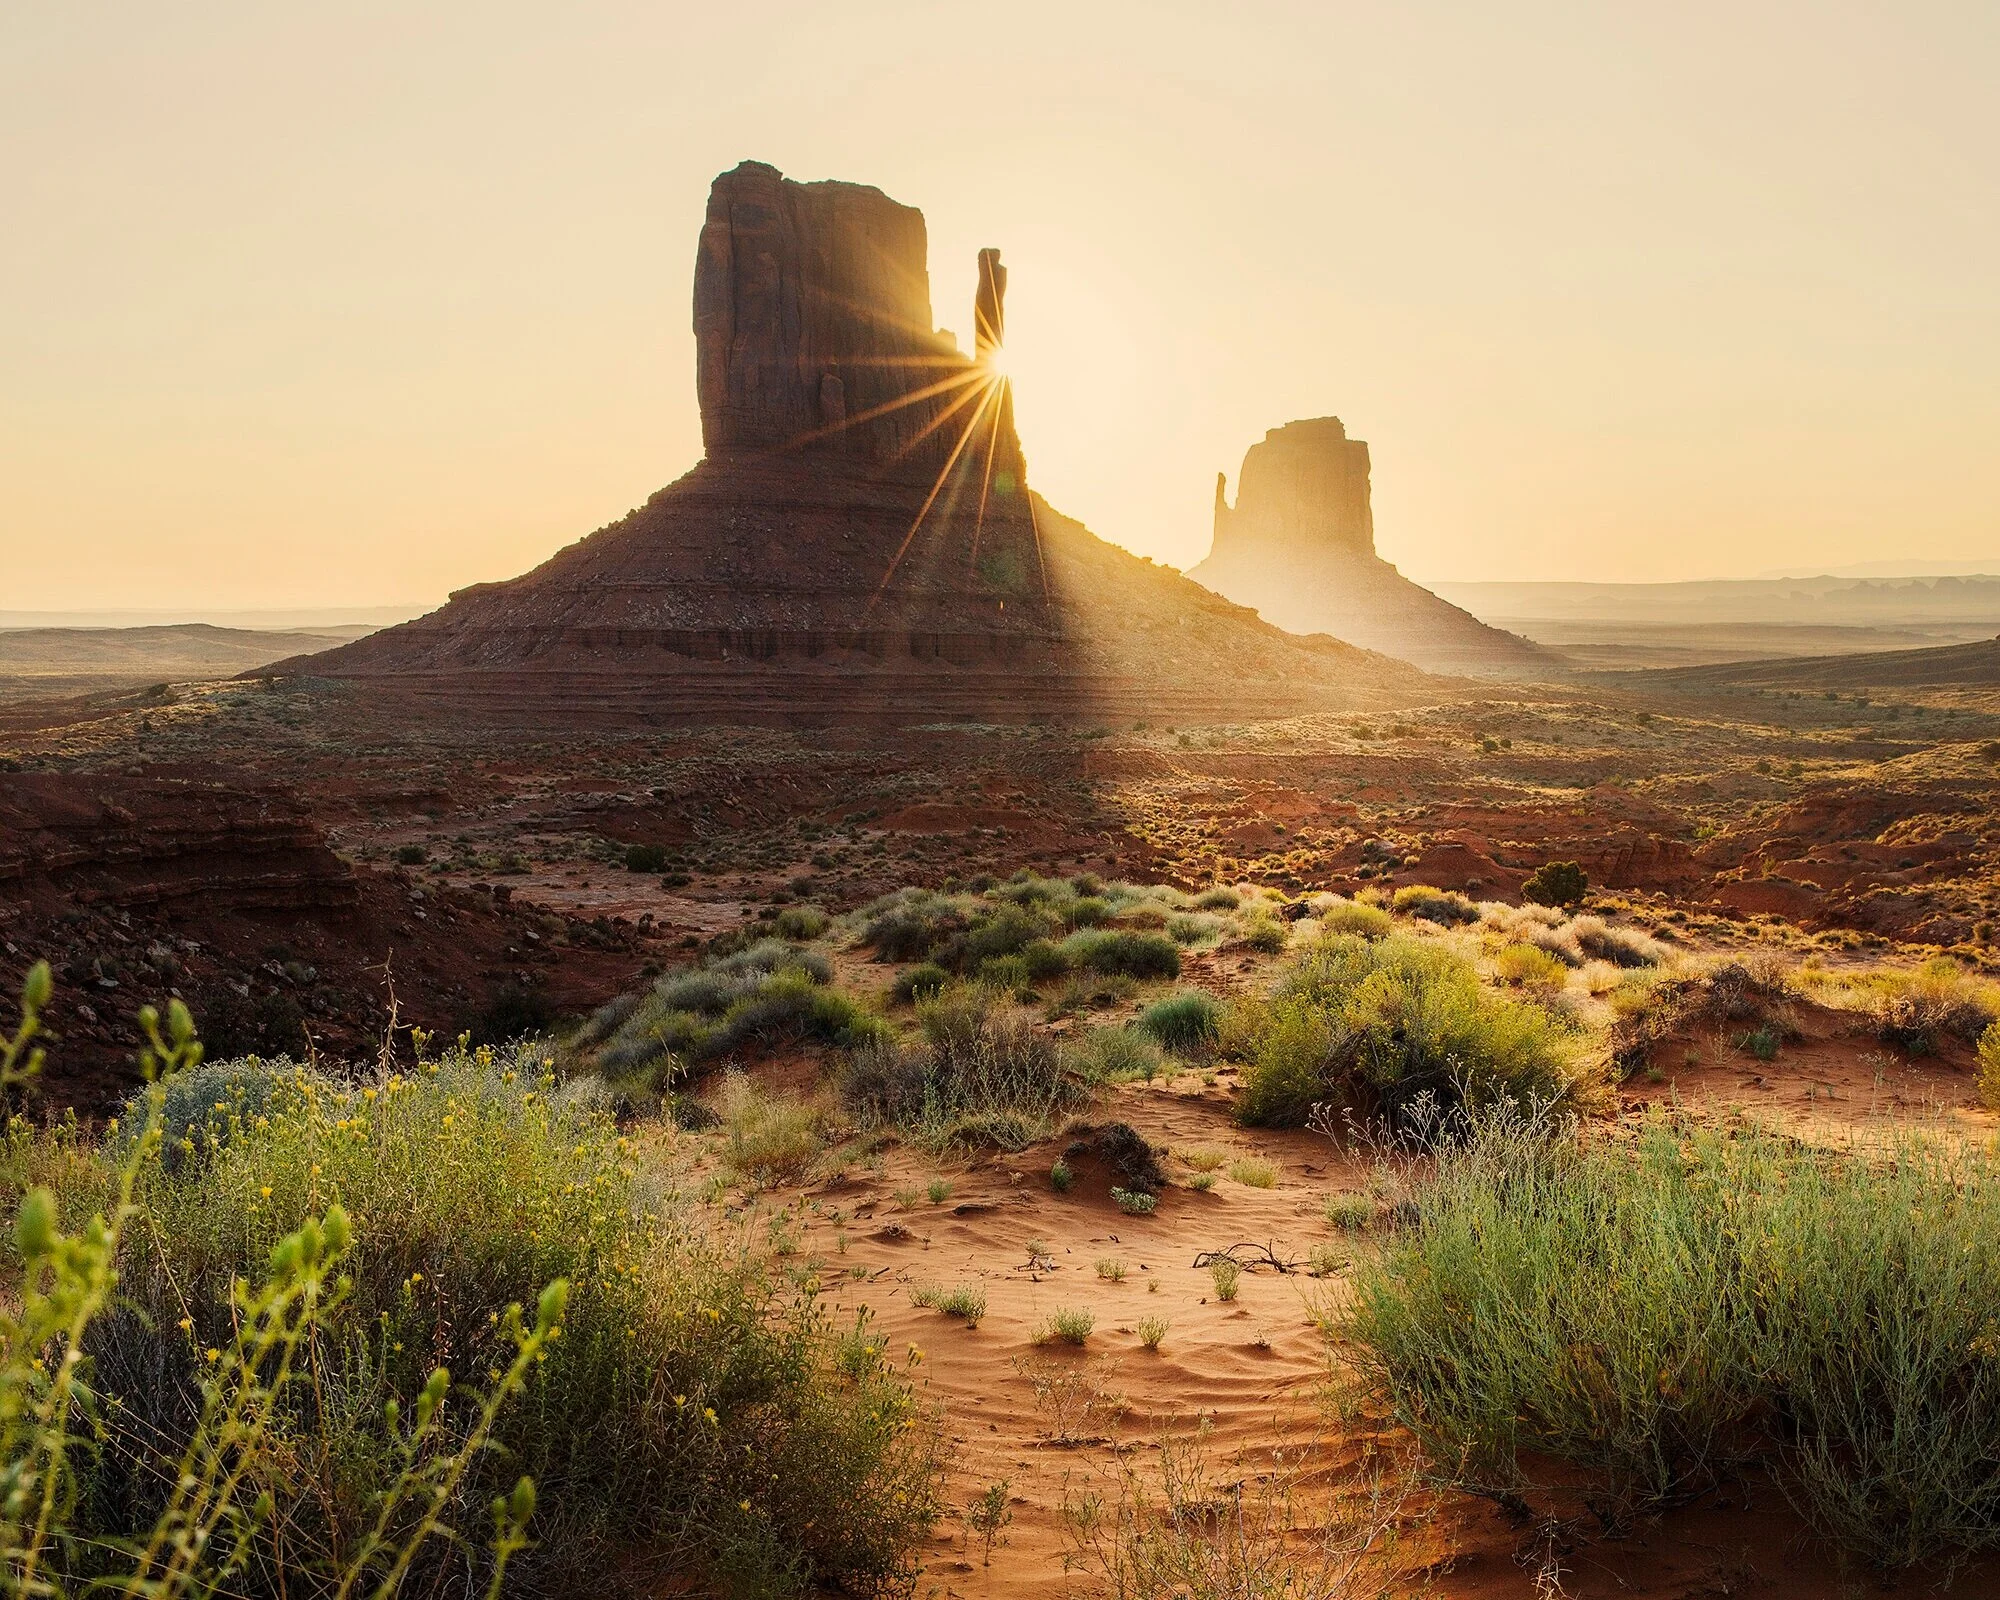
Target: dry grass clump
point(1401, 1028)
point(1529, 967)
point(1363, 921)
point(1349, 1211)
point(1254, 1172)
point(1574, 940)
point(1446, 907)
point(981, 1074)
point(1989, 1067)
point(1179, 1523)
point(1920, 1010)
point(768, 1138)
point(1744, 998)
point(1656, 1317)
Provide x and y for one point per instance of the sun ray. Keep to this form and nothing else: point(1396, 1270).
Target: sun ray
point(928, 391)
point(986, 482)
point(930, 499)
point(1035, 522)
point(945, 416)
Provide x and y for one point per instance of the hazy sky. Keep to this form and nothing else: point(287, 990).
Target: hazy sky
point(351, 303)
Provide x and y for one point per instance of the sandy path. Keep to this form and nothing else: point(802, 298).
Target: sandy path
point(1255, 1370)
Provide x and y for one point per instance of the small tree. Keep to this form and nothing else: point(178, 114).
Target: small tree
point(1557, 883)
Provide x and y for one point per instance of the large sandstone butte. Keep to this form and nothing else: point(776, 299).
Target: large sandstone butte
point(1299, 546)
point(858, 541)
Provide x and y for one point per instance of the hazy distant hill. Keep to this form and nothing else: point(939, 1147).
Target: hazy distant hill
point(1692, 624)
point(1958, 666)
point(68, 660)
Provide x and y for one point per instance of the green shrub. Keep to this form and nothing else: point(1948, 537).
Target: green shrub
point(1118, 1055)
point(1354, 917)
point(1556, 883)
point(646, 858)
point(1066, 1327)
point(409, 855)
point(966, 1301)
point(1263, 932)
point(1445, 907)
point(1225, 1274)
point(768, 993)
point(1217, 899)
point(921, 982)
point(1151, 1331)
point(1133, 955)
point(1656, 1318)
point(1349, 1211)
point(1401, 1028)
point(1762, 1043)
point(1184, 1022)
point(1088, 912)
point(1062, 1177)
point(1134, 1202)
point(801, 922)
point(1008, 974)
point(294, 1437)
point(1989, 1067)
point(1043, 960)
point(910, 925)
point(1001, 932)
point(203, 1107)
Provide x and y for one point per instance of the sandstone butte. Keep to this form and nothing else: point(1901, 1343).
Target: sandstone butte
point(859, 540)
point(1299, 546)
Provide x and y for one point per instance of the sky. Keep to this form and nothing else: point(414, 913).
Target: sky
point(355, 304)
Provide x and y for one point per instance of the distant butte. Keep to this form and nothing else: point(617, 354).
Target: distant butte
point(859, 540)
point(1299, 546)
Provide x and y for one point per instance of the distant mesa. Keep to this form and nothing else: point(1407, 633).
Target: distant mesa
point(860, 538)
point(1299, 546)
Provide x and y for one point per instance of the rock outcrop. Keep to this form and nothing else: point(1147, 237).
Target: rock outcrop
point(224, 890)
point(812, 321)
point(859, 540)
point(1299, 546)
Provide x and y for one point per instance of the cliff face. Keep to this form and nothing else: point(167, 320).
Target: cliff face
point(860, 539)
point(1299, 546)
